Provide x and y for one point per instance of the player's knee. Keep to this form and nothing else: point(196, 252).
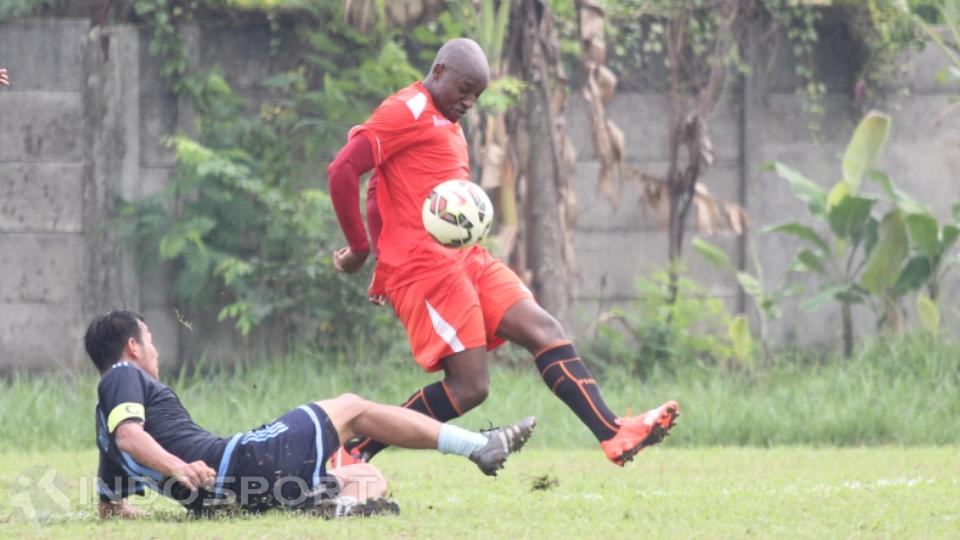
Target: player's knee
point(548, 328)
point(352, 401)
point(473, 394)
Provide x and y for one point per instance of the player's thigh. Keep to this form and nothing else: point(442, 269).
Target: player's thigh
point(499, 288)
point(442, 317)
point(342, 411)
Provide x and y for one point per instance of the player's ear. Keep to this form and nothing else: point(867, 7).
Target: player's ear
point(438, 69)
point(133, 349)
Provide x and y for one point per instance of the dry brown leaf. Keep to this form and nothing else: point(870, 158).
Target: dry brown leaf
point(506, 241)
point(739, 221)
point(663, 210)
point(591, 21)
point(493, 156)
point(704, 217)
point(606, 83)
point(617, 140)
point(594, 52)
point(605, 185)
point(706, 147)
point(404, 12)
point(573, 209)
point(569, 154)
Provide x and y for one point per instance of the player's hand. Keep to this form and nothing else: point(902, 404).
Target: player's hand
point(4, 79)
point(120, 510)
point(348, 261)
point(195, 475)
point(376, 292)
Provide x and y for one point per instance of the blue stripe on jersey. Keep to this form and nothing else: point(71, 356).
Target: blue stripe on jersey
point(141, 470)
point(103, 436)
point(225, 463)
point(263, 434)
point(319, 433)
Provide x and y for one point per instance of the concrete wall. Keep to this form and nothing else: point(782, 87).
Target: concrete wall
point(87, 117)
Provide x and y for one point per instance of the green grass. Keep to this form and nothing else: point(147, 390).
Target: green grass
point(668, 492)
point(900, 392)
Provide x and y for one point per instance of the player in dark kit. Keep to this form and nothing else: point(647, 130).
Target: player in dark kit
point(147, 438)
point(455, 304)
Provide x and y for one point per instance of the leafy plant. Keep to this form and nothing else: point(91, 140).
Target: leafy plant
point(878, 247)
point(654, 332)
point(947, 12)
point(766, 302)
point(246, 220)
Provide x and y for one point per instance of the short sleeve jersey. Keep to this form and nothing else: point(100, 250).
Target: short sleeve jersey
point(415, 148)
point(128, 394)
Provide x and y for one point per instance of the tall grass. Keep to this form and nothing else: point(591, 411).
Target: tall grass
point(903, 391)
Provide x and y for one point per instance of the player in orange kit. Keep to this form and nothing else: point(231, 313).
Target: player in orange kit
point(455, 304)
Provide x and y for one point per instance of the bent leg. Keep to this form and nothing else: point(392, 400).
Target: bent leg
point(530, 326)
point(354, 416)
point(445, 327)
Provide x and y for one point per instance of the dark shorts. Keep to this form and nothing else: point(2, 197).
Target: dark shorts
point(281, 463)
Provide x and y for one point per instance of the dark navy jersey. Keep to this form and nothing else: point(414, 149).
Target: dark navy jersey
point(129, 394)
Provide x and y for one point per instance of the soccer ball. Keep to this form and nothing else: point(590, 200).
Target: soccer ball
point(457, 213)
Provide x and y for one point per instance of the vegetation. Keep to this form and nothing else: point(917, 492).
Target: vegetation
point(893, 391)
point(946, 12)
point(881, 247)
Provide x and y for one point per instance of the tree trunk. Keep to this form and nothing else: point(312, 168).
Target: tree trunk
point(545, 246)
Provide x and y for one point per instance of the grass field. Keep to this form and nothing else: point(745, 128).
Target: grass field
point(805, 448)
point(789, 492)
point(903, 392)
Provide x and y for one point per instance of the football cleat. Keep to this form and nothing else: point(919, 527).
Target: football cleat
point(350, 507)
point(501, 442)
point(639, 432)
point(342, 458)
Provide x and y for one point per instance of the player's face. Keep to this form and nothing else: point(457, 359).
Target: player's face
point(456, 92)
point(146, 353)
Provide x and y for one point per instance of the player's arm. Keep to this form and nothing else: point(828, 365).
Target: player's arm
point(374, 220)
point(113, 487)
point(134, 440)
point(343, 176)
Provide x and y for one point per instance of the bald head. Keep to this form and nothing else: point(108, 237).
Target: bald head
point(465, 56)
point(459, 75)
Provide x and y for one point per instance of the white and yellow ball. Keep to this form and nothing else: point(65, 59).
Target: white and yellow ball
point(457, 213)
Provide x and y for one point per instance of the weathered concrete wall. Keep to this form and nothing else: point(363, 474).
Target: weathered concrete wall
point(762, 122)
point(87, 118)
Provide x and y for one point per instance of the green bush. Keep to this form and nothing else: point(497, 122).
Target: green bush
point(247, 221)
point(654, 333)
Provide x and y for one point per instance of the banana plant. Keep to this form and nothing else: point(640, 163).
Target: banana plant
point(766, 300)
point(877, 247)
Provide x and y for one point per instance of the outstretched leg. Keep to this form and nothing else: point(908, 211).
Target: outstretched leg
point(465, 385)
point(353, 416)
point(529, 325)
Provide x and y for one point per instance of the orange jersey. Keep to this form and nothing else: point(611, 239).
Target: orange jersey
point(415, 148)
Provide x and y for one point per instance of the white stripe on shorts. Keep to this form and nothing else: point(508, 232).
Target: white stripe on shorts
point(444, 330)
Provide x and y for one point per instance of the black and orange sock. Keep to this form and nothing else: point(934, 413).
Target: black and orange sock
point(568, 378)
point(433, 400)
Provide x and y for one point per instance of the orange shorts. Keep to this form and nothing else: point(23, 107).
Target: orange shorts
point(457, 311)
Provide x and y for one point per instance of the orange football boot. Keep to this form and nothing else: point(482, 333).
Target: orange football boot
point(639, 432)
point(342, 458)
